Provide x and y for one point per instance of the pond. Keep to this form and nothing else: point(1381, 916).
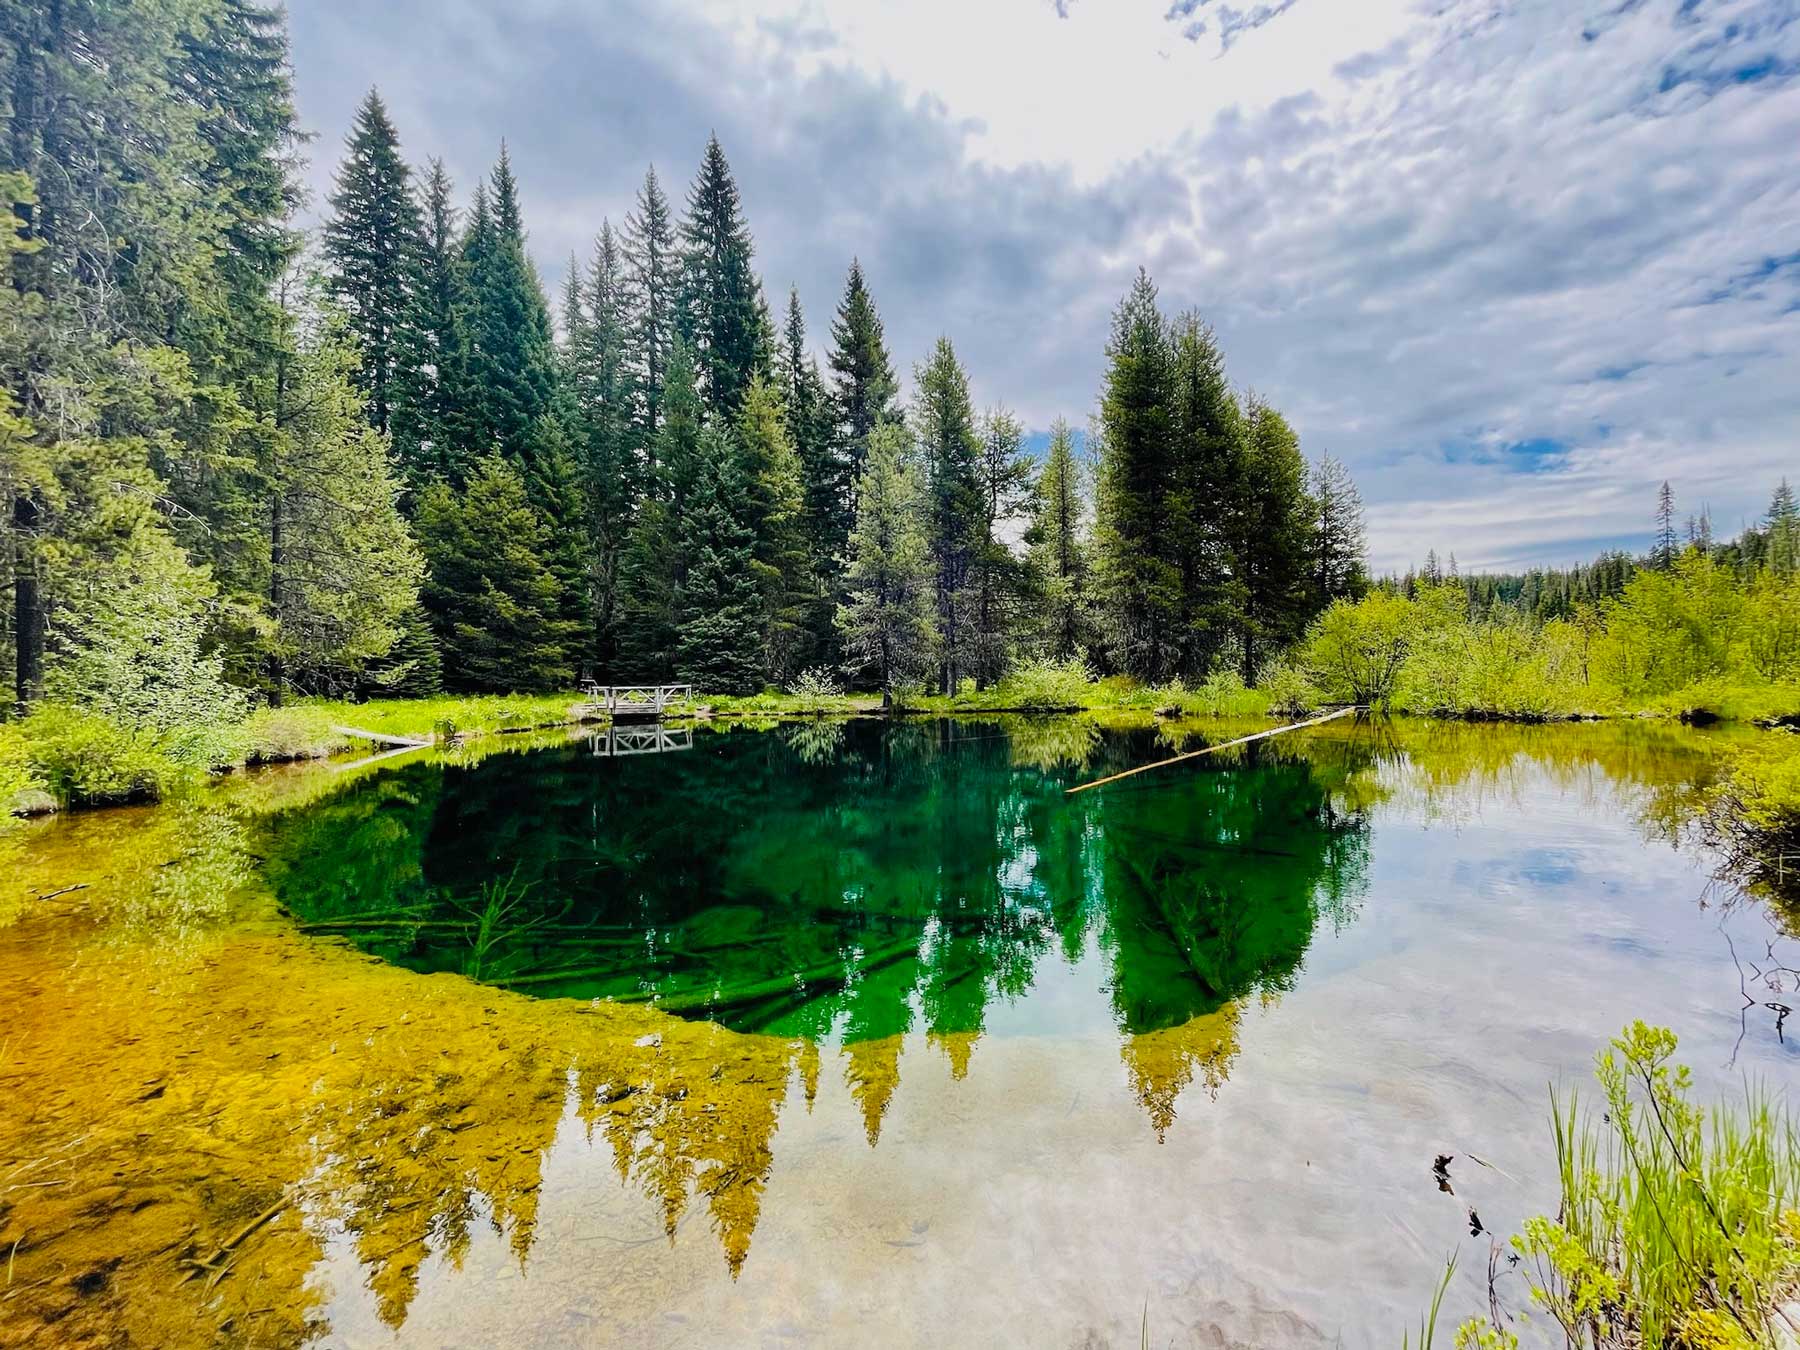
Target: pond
point(842, 1032)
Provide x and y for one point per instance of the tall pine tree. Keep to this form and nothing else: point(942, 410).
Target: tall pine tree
point(652, 286)
point(1058, 550)
point(431, 429)
point(720, 612)
point(1338, 568)
point(863, 385)
point(776, 514)
point(373, 239)
point(1205, 520)
point(1138, 476)
point(722, 314)
point(1275, 543)
point(999, 578)
point(944, 423)
point(824, 477)
point(512, 359)
point(888, 616)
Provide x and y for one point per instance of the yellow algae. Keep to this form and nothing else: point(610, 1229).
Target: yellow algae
point(220, 1072)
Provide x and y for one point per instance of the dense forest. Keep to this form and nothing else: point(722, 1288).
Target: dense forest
point(244, 462)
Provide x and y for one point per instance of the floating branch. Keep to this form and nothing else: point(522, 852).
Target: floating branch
point(1207, 750)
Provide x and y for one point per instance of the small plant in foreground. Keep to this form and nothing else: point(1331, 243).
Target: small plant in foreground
point(1677, 1226)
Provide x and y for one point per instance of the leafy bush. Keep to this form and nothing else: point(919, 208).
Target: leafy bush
point(84, 759)
point(1356, 648)
point(1047, 684)
point(816, 690)
point(1289, 689)
point(19, 782)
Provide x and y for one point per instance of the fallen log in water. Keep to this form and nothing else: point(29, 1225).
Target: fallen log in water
point(1207, 750)
point(382, 737)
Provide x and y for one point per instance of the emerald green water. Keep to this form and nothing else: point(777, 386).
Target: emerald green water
point(843, 879)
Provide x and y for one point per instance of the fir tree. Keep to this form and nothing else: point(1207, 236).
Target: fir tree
point(342, 567)
point(1665, 548)
point(1338, 569)
point(653, 565)
point(1275, 546)
point(1783, 525)
point(430, 423)
point(825, 485)
point(1206, 516)
point(887, 620)
point(722, 314)
point(494, 602)
point(1058, 551)
point(776, 515)
point(944, 423)
point(720, 610)
point(373, 239)
point(999, 578)
point(1140, 578)
point(864, 389)
point(651, 288)
point(512, 359)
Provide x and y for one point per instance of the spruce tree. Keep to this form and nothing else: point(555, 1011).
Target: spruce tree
point(432, 435)
point(1665, 548)
point(776, 514)
point(1338, 570)
point(1206, 515)
point(652, 281)
point(825, 483)
point(720, 609)
point(864, 389)
point(1058, 550)
point(372, 239)
point(494, 602)
point(512, 359)
point(1138, 573)
point(342, 567)
point(944, 423)
point(653, 564)
point(999, 578)
point(1783, 523)
point(1275, 546)
point(887, 618)
point(721, 312)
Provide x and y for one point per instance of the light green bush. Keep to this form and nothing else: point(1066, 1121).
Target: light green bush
point(1047, 684)
point(84, 759)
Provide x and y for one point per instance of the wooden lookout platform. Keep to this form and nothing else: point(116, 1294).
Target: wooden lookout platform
point(631, 702)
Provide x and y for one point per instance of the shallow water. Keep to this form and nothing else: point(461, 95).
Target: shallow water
point(839, 1033)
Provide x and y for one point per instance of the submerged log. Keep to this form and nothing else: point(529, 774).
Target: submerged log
point(382, 737)
point(1207, 750)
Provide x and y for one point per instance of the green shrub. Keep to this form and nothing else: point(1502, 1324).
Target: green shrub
point(1047, 684)
point(1289, 689)
point(816, 690)
point(1356, 648)
point(84, 759)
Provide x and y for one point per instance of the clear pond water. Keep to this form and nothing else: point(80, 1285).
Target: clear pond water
point(842, 1033)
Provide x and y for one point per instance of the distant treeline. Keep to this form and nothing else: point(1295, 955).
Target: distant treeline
point(1773, 543)
point(238, 466)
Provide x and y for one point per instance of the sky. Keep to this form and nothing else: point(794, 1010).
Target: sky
point(1514, 261)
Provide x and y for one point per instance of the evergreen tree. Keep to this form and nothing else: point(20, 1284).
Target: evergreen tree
point(720, 610)
point(494, 602)
point(780, 561)
point(999, 578)
point(373, 239)
point(342, 568)
point(887, 619)
point(825, 485)
point(1664, 550)
point(1783, 532)
point(1276, 545)
point(512, 360)
point(413, 668)
point(430, 422)
point(944, 423)
point(722, 314)
point(1058, 553)
point(1138, 573)
point(653, 567)
point(864, 389)
point(1338, 548)
point(598, 381)
point(1206, 521)
point(651, 289)
point(558, 490)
